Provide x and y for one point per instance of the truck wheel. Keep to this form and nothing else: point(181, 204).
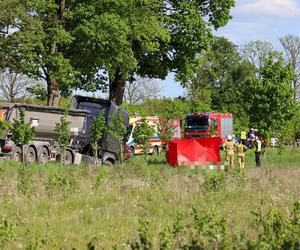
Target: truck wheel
point(132, 152)
point(155, 151)
point(108, 163)
point(68, 158)
point(43, 157)
point(30, 155)
point(17, 154)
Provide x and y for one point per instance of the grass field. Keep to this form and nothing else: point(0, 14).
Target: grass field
point(152, 206)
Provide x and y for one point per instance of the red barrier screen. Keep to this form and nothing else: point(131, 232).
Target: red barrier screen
point(200, 151)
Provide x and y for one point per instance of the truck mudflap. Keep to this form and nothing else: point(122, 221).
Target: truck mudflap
point(200, 151)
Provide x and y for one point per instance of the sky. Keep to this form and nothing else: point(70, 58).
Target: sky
point(252, 20)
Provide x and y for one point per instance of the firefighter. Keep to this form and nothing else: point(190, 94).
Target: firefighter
point(229, 148)
point(258, 150)
point(243, 137)
point(241, 149)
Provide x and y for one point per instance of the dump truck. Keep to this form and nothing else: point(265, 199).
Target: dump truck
point(109, 146)
point(44, 147)
point(208, 125)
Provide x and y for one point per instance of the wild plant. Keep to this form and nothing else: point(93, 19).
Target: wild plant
point(117, 130)
point(142, 133)
point(22, 132)
point(214, 182)
point(97, 130)
point(63, 134)
point(144, 240)
point(25, 182)
point(7, 232)
point(61, 183)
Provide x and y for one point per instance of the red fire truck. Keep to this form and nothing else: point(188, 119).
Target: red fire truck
point(208, 124)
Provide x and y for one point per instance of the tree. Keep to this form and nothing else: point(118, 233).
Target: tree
point(140, 90)
point(57, 40)
point(96, 132)
point(291, 46)
point(176, 108)
point(166, 130)
point(257, 52)
point(271, 100)
point(63, 135)
point(21, 132)
point(142, 133)
point(14, 86)
point(220, 82)
point(38, 92)
point(183, 30)
point(117, 130)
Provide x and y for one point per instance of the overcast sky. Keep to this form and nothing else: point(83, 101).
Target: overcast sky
point(253, 20)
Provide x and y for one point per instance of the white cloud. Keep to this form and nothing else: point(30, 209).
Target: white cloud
point(280, 8)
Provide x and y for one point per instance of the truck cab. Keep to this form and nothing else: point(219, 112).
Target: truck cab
point(207, 125)
point(110, 146)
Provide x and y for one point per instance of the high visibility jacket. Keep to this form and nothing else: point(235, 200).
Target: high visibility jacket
point(243, 135)
point(258, 145)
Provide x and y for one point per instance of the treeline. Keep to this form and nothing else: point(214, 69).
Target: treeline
point(255, 82)
point(95, 45)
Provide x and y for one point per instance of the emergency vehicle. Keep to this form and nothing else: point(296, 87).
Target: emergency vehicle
point(156, 144)
point(207, 125)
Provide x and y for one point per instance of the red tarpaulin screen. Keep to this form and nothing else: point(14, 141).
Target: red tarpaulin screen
point(190, 152)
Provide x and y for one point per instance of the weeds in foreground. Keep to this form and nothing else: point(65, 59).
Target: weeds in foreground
point(214, 182)
point(7, 232)
point(61, 183)
point(209, 231)
point(25, 182)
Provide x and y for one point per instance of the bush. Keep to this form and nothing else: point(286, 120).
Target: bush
point(7, 232)
point(277, 231)
point(214, 182)
point(24, 184)
point(61, 182)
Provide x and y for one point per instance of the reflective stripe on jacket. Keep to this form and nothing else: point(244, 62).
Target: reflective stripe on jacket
point(258, 146)
point(243, 135)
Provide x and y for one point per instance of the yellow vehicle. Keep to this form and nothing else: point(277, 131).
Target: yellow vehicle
point(155, 142)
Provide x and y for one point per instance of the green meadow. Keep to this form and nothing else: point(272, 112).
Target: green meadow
point(152, 206)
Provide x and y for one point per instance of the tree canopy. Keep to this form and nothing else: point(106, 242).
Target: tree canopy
point(86, 43)
point(271, 97)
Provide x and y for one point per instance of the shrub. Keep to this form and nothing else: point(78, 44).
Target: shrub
point(214, 182)
point(277, 231)
point(61, 182)
point(7, 232)
point(143, 241)
point(24, 184)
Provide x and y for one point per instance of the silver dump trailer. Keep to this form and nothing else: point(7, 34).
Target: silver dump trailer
point(44, 146)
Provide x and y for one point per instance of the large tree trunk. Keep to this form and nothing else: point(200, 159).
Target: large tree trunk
point(52, 83)
point(117, 87)
point(53, 93)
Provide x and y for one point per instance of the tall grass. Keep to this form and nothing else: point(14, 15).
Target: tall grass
point(138, 206)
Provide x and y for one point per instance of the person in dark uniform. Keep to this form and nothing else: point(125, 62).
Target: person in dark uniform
point(258, 150)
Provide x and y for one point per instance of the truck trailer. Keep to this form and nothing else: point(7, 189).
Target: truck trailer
point(44, 146)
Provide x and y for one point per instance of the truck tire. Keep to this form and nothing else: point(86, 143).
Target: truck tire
point(108, 163)
point(43, 156)
point(17, 154)
point(68, 158)
point(132, 152)
point(31, 155)
point(155, 151)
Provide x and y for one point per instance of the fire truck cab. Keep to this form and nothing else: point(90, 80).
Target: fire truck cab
point(208, 124)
